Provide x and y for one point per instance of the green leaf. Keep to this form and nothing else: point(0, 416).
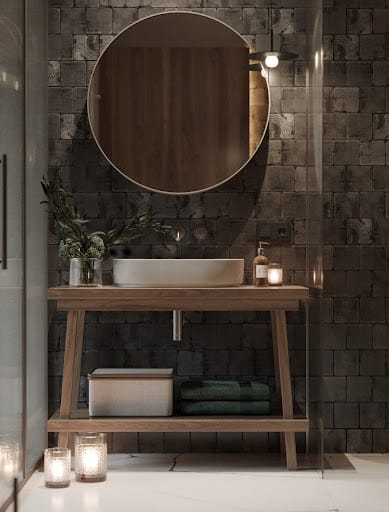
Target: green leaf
point(73, 226)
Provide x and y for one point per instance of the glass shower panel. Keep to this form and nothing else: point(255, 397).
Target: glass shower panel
point(11, 232)
point(314, 270)
point(295, 139)
point(36, 229)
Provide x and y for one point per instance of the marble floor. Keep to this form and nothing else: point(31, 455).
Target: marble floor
point(220, 482)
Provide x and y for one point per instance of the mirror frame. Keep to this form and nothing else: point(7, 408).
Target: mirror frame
point(261, 69)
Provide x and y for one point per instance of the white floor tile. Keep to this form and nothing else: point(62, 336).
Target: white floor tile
point(205, 492)
point(225, 482)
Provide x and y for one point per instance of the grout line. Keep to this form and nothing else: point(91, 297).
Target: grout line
point(174, 462)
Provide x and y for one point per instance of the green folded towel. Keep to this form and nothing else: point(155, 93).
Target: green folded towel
point(224, 390)
point(224, 407)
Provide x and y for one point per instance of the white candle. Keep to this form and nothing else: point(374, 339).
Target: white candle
point(57, 470)
point(10, 468)
point(90, 460)
point(274, 275)
point(9, 459)
point(90, 452)
point(57, 467)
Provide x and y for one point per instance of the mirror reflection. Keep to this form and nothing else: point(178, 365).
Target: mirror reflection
point(176, 105)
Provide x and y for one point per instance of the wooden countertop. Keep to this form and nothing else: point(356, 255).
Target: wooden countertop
point(244, 298)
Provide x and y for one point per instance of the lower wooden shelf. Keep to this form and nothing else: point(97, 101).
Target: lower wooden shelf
point(80, 421)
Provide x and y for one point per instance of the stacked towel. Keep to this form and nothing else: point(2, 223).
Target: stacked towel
point(204, 407)
point(215, 397)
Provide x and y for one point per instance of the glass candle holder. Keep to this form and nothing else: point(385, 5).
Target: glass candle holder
point(57, 467)
point(274, 274)
point(90, 453)
point(9, 459)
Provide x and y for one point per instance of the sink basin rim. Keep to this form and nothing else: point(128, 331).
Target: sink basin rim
point(178, 259)
point(177, 273)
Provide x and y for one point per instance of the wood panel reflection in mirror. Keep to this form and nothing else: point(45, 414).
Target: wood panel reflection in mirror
point(174, 105)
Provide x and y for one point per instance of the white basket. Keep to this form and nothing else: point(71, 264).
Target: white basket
point(131, 392)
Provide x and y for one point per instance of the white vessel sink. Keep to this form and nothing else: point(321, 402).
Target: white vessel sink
point(185, 273)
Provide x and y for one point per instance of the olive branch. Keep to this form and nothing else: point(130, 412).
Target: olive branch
point(76, 240)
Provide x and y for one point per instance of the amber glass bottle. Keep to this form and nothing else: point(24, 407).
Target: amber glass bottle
point(260, 266)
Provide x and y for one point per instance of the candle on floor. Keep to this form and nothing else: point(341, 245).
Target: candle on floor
point(274, 274)
point(9, 459)
point(57, 467)
point(90, 451)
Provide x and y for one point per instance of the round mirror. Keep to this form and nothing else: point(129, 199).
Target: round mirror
point(176, 104)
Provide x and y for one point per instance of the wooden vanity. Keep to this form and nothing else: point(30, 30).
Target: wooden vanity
point(277, 300)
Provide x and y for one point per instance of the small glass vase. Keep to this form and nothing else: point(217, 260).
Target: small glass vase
point(85, 272)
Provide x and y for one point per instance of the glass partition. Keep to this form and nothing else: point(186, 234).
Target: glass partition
point(11, 242)
point(314, 266)
point(295, 149)
point(23, 346)
point(36, 228)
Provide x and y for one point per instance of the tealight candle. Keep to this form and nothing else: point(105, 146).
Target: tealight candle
point(57, 467)
point(90, 451)
point(274, 274)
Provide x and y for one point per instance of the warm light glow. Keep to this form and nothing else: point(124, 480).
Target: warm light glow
point(271, 61)
point(10, 468)
point(274, 276)
point(57, 470)
point(90, 457)
point(57, 467)
point(57, 503)
point(317, 60)
point(9, 460)
point(90, 460)
point(91, 501)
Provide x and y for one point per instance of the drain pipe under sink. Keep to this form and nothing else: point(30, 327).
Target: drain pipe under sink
point(177, 325)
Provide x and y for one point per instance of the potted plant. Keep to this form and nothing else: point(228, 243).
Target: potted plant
point(84, 249)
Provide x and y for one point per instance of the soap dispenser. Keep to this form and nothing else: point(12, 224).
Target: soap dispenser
point(260, 266)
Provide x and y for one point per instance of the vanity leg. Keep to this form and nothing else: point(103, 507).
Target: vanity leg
point(281, 340)
point(77, 359)
point(277, 375)
point(71, 369)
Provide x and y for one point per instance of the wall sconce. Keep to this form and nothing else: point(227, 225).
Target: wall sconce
point(274, 274)
point(57, 467)
point(272, 58)
point(90, 453)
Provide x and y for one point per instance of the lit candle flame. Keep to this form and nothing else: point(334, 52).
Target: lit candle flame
point(90, 460)
point(274, 276)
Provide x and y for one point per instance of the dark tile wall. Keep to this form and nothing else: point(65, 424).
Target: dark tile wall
point(270, 190)
point(356, 224)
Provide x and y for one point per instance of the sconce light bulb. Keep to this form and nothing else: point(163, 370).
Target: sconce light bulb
point(271, 61)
